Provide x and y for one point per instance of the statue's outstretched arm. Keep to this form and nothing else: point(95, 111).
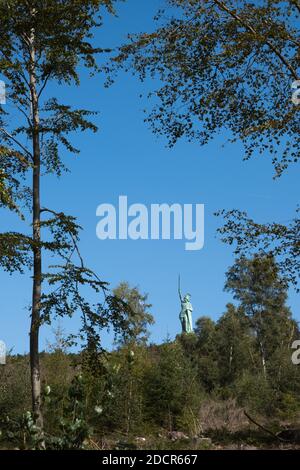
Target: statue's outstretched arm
point(179, 290)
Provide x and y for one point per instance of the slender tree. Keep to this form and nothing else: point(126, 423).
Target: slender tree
point(45, 42)
point(234, 344)
point(139, 316)
point(262, 294)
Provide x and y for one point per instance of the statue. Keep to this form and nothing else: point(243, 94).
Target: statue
point(185, 315)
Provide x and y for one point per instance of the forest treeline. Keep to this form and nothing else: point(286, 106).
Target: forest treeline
point(191, 387)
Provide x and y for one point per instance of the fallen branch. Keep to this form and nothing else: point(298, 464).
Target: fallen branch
point(263, 428)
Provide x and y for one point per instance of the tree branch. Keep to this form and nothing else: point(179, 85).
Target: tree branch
point(75, 248)
point(44, 84)
point(16, 142)
point(250, 28)
point(296, 5)
point(21, 74)
point(25, 115)
point(59, 215)
point(263, 428)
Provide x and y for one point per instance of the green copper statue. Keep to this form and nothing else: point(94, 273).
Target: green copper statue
point(185, 315)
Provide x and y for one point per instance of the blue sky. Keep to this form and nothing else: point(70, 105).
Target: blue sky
point(125, 158)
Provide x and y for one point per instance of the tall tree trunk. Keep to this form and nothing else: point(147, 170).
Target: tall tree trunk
point(257, 323)
point(37, 256)
point(261, 345)
point(263, 360)
point(230, 357)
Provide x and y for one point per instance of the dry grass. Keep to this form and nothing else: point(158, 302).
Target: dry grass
point(218, 415)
